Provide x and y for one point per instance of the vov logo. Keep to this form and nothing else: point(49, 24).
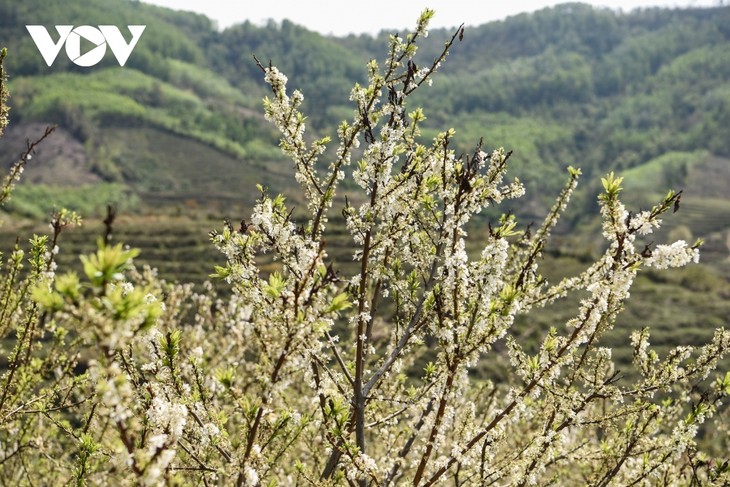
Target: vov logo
point(71, 36)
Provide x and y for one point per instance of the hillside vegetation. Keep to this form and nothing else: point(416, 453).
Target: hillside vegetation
point(179, 132)
point(571, 84)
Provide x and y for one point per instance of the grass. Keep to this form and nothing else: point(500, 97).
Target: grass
point(213, 113)
point(160, 161)
point(38, 200)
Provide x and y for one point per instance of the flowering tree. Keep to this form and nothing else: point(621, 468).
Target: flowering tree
point(307, 376)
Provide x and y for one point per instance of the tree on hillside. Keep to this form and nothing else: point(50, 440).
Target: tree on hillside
point(306, 375)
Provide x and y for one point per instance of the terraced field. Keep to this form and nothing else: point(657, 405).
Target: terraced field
point(682, 306)
point(178, 247)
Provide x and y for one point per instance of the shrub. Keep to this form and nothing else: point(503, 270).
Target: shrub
point(306, 376)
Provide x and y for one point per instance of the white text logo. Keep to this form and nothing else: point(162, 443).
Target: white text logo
point(98, 37)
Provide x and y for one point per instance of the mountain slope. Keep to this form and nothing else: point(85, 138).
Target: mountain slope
point(566, 85)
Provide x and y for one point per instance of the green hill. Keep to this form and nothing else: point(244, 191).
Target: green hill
point(181, 126)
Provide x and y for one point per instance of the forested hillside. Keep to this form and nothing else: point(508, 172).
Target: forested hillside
point(181, 126)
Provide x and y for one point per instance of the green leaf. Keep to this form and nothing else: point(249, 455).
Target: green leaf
point(225, 377)
point(417, 115)
point(46, 298)
point(221, 272)
point(574, 172)
point(68, 285)
point(724, 383)
point(339, 303)
point(276, 285)
point(108, 264)
point(170, 344)
point(612, 184)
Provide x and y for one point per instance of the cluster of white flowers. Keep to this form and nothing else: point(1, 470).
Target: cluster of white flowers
point(112, 384)
point(677, 254)
point(209, 432)
point(167, 416)
point(644, 224)
point(160, 456)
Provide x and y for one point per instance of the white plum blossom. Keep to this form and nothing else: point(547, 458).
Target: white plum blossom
point(252, 477)
point(167, 416)
point(677, 254)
